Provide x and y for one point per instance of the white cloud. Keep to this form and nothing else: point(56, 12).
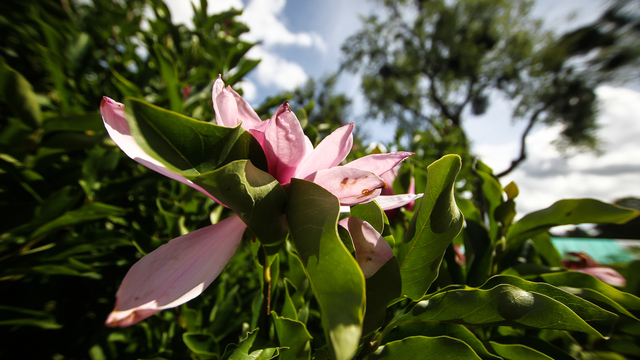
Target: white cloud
point(275, 71)
point(546, 177)
point(249, 89)
point(218, 6)
point(264, 18)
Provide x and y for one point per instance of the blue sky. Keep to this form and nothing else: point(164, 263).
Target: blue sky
point(302, 39)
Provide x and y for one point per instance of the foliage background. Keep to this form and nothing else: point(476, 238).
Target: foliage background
point(77, 213)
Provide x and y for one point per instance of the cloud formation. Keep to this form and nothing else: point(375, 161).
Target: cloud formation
point(546, 176)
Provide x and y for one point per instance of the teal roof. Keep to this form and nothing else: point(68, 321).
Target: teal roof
point(604, 251)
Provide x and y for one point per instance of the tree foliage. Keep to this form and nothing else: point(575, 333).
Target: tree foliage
point(77, 213)
point(427, 65)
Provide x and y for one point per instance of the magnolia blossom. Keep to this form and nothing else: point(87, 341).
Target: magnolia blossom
point(181, 269)
point(372, 250)
point(290, 153)
point(587, 265)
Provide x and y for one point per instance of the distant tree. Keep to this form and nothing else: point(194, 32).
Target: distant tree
point(609, 46)
point(426, 64)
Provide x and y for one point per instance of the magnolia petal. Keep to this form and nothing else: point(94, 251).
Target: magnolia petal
point(176, 272)
point(606, 274)
point(389, 177)
point(246, 114)
point(115, 122)
point(372, 250)
point(329, 153)
point(379, 163)
point(224, 105)
point(258, 131)
point(350, 185)
point(388, 202)
point(285, 144)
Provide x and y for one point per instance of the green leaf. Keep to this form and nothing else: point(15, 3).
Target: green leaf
point(468, 209)
point(425, 348)
point(601, 320)
point(385, 285)
point(371, 213)
point(200, 343)
point(434, 329)
point(334, 275)
point(478, 252)
point(251, 193)
point(565, 212)
point(36, 318)
point(492, 192)
point(88, 212)
point(250, 349)
point(169, 74)
point(517, 352)
point(91, 121)
point(538, 345)
point(244, 66)
point(289, 310)
point(186, 145)
point(578, 279)
point(434, 225)
point(546, 249)
point(501, 305)
point(292, 334)
point(17, 94)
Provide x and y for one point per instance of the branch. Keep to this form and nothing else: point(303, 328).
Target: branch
point(441, 104)
point(421, 116)
point(523, 153)
point(466, 100)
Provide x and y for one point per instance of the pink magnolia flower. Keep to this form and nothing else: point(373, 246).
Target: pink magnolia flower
point(372, 250)
point(587, 265)
point(181, 269)
point(290, 153)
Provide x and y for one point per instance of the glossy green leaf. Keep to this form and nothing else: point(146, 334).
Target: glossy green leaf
point(169, 74)
point(468, 209)
point(384, 286)
point(601, 320)
point(334, 275)
point(565, 212)
point(517, 352)
point(501, 305)
point(478, 252)
point(200, 343)
point(91, 121)
point(16, 93)
point(434, 225)
point(251, 193)
point(546, 249)
point(186, 145)
point(535, 343)
point(88, 212)
point(292, 334)
point(578, 279)
point(371, 213)
point(435, 329)
point(15, 316)
point(425, 348)
point(289, 310)
point(250, 349)
point(492, 192)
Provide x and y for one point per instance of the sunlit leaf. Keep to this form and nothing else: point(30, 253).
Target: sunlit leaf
point(434, 225)
point(334, 275)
